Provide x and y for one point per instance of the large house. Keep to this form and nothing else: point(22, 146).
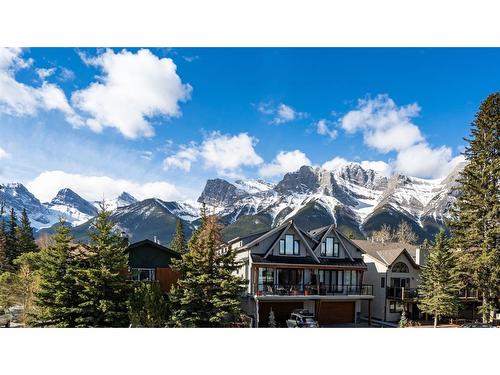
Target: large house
point(394, 271)
point(288, 268)
point(150, 261)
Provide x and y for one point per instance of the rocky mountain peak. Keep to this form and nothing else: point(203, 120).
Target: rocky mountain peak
point(219, 192)
point(67, 197)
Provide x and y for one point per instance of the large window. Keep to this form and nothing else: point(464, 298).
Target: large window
point(395, 307)
point(400, 267)
point(143, 274)
point(397, 282)
point(266, 279)
point(329, 247)
point(289, 246)
point(290, 277)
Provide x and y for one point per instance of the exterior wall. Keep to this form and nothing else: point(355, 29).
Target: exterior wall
point(373, 275)
point(245, 270)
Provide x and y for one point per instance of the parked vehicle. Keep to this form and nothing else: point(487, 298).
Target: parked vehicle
point(5, 318)
point(301, 319)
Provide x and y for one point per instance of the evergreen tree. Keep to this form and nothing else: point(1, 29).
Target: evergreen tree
point(475, 219)
point(12, 250)
point(148, 306)
point(56, 298)
point(272, 320)
point(24, 235)
point(403, 321)
point(178, 243)
point(104, 282)
point(208, 292)
point(440, 281)
point(3, 247)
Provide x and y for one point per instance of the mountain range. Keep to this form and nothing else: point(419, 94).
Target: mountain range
point(356, 199)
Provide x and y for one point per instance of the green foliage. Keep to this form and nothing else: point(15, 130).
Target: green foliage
point(3, 247)
point(208, 292)
point(475, 219)
point(440, 281)
point(11, 238)
point(148, 306)
point(403, 321)
point(56, 298)
point(178, 243)
point(24, 235)
point(102, 278)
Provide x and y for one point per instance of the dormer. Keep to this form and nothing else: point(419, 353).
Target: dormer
point(331, 244)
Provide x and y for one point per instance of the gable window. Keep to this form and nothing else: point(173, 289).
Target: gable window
point(400, 267)
point(289, 246)
point(329, 248)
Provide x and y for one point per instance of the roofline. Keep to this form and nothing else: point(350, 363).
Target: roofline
point(157, 245)
point(235, 239)
point(308, 265)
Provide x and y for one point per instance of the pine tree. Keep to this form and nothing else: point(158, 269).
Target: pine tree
point(440, 281)
point(148, 306)
point(12, 250)
point(208, 292)
point(403, 321)
point(3, 247)
point(271, 320)
point(24, 235)
point(104, 283)
point(56, 297)
point(475, 222)
point(178, 243)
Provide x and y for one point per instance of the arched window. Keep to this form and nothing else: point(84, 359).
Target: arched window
point(400, 267)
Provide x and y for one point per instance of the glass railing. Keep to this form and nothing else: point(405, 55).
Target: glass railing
point(305, 290)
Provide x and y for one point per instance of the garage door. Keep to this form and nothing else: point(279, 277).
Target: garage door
point(336, 312)
point(282, 311)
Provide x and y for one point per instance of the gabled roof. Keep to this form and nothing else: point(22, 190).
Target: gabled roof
point(148, 242)
point(388, 252)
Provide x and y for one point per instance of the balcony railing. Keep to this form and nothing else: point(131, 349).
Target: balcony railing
point(469, 294)
point(312, 290)
point(402, 293)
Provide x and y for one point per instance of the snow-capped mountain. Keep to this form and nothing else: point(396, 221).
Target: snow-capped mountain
point(355, 199)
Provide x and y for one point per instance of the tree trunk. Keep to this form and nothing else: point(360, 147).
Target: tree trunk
point(435, 321)
point(485, 312)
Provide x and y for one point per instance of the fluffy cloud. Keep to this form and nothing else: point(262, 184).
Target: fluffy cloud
point(323, 127)
point(19, 99)
point(45, 72)
point(385, 126)
point(3, 154)
point(281, 114)
point(336, 163)
point(133, 88)
point(285, 161)
point(47, 184)
point(225, 153)
point(423, 161)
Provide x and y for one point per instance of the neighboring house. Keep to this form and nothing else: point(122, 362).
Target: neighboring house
point(288, 268)
point(150, 261)
point(394, 271)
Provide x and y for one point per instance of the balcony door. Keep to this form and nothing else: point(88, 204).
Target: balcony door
point(400, 282)
point(288, 278)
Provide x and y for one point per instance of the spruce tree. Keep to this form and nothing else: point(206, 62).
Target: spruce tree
point(24, 235)
point(12, 250)
point(3, 247)
point(178, 242)
point(208, 292)
point(148, 306)
point(56, 296)
point(475, 221)
point(440, 281)
point(104, 282)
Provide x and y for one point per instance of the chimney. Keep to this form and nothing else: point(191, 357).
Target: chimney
point(419, 256)
point(154, 239)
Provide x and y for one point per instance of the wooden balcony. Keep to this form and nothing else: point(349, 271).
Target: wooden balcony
point(312, 290)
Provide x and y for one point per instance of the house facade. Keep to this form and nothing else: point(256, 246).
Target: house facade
point(150, 261)
point(394, 270)
point(288, 268)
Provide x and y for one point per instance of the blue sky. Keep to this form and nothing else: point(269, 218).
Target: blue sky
point(159, 122)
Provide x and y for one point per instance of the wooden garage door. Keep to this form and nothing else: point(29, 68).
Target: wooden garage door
point(282, 311)
point(336, 312)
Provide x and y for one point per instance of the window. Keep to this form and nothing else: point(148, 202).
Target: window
point(395, 307)
point(397, 282)
point(290, 277)
point(289, 246)
point(266, 279)
point(382, 282)
point(329, 248)
point(400, 267)
point(143, 274)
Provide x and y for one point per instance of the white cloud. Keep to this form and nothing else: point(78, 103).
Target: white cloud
point(336, 163)
point(385, 126)
point(421, 160)
point(285, 161)
point(48, 183)
point(133, 88)
point(323, 127)
point(282, 113)
point(66, 74)
point(379, 166)
point(225, 153)
point(3, 154)
point(19, 99)
point(45, 72)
